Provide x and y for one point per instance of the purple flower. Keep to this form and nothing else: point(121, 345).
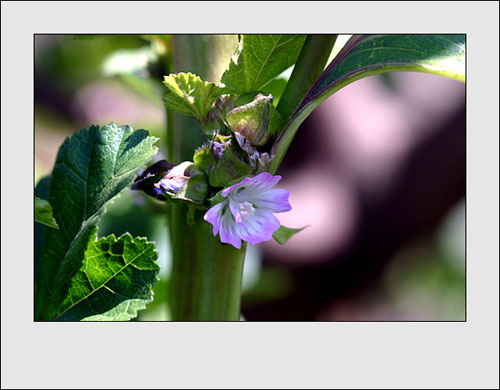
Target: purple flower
point(175, 180)
point(247, 212)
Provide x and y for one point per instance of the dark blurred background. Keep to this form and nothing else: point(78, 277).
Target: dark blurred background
point(377, 171)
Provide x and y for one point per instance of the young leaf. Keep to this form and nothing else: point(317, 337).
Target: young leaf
point(43, 213)
point(365, 55)
point(114, 282)
point(283, 234)
point(91, 168)
point(259, 59)
point(189, 94)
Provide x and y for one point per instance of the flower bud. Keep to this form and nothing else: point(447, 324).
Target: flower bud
point(220, 162)
point(214, 121)
point(246, 98)
point(164, 181)
point(146, 180)
point(256, 120)
point(259, 162)
point(175, 180)
point(185, 182)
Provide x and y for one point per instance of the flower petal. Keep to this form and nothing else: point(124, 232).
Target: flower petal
point(233, 206)
point(262, 182)
point(214, 216)
point(258, 228)
point(179, 170)
point(172, 185)
point(238, 220)
point(157, 191)
point(246, 180)
point(228, 232)
point(275, 201)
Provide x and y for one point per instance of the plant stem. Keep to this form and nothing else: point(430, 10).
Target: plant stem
point(206, 274)
point(310, 64)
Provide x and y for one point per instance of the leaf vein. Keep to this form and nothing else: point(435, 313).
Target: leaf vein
point(107, 281)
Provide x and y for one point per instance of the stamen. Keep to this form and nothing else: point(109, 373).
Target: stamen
point(246, 210)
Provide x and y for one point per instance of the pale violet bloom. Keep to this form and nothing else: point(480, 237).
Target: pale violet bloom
point(175, 180)
point(246, 213)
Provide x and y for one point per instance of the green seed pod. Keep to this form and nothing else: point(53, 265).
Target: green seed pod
point(257, 120)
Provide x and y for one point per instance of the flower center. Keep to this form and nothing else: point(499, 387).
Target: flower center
point(246, 210)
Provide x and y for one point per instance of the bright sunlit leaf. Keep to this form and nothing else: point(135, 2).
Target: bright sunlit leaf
point(189, 94)
point(259, 59)
point(114, 282)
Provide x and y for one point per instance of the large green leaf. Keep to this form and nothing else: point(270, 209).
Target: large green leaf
point(114, 281)
point(91, 168)
point(259, 59)
point(366, 55)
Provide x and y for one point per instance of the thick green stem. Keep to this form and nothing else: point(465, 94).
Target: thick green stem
point(310, 64)
point(206, 274)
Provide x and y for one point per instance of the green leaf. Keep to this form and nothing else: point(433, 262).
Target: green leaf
point(41, 191)
point(369, 54)
point(91, 168)
point(190, 95)
point(43, 213)
point(114, 282)
point(283, 234)
point(259, 59)
point(275, 88)
point(366, 55)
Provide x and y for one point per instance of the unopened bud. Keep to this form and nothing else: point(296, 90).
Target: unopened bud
point(258, 161)
point(175, 180)
point(165, 181)
point(220, 163)
point(146, 180)
point(186, 182)
point(254, 120)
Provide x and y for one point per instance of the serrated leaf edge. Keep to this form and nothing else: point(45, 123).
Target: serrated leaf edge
point(133, 240)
